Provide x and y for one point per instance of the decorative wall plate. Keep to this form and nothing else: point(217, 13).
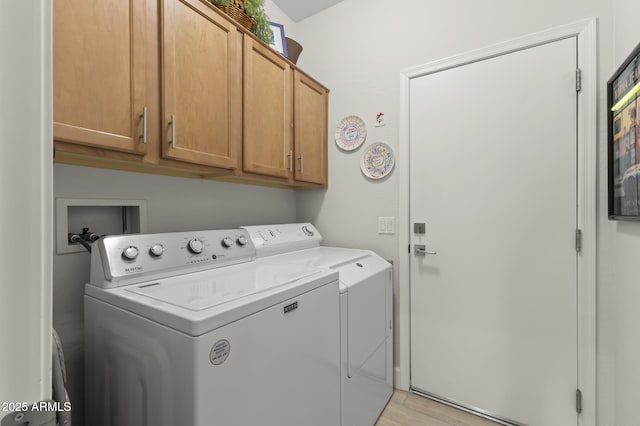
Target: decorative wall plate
point(377, 160)
point(350, 133)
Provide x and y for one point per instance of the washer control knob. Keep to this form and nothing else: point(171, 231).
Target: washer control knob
point(195, 246)
point(130, 253)
point(308, 232)
point(242, 240)
point(156, 250)
point(227, 242)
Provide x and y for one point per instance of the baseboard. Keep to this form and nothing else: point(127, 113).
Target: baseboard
point(397, 381)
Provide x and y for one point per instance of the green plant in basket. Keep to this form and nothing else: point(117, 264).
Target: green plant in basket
point(255, 10)
point(261, 27)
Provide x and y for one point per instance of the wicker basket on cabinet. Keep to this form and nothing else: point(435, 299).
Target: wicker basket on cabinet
point(235, 9)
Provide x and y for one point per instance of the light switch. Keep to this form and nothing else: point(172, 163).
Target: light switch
point(386, 225)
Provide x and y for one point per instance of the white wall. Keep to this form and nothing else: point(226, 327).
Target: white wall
point(276, 14)
point(358, 48)
point(627, 250)
point(173, 204)
point(25, 197)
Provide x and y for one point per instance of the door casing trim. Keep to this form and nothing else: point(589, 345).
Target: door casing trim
point(585, 32)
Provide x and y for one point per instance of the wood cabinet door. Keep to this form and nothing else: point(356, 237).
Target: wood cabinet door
point(268, 111)
point(311, 108)
point(99, 73)
point(202, 85)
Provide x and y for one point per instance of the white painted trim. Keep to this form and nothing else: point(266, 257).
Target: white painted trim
point(585, 31)
point(26, 185)
point(403, 381)
point(46, 195)
point(587, 221)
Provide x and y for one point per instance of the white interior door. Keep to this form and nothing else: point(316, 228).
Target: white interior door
point(493, 169)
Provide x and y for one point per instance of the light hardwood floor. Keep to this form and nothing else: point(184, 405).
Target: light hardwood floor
point(407, 409)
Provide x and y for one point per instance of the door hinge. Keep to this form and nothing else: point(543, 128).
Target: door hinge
point(409, 248)
point(578, 80)
point(578, 401)
point(578, 240)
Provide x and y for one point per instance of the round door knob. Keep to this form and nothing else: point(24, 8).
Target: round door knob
point(242, 240)
point(227, 242)
point(130, 253)
point(195, 246)
point(156, 250)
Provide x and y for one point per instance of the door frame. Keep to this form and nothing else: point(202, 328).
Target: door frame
point(25, 364)
point(585, 32)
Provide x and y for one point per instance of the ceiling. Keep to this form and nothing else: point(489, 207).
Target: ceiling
point(300, 9)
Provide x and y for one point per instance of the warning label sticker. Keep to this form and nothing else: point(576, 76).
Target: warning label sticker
point(220, 352)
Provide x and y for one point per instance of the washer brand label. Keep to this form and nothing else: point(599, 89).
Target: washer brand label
point(290, 307)
point(133, 269)
point(220, 352)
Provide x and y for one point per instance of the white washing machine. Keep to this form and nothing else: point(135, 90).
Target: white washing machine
point(366, 311)
point(189, 329)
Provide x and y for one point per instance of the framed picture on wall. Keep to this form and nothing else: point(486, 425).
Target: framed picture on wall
point(623, 141)
point(278, 41)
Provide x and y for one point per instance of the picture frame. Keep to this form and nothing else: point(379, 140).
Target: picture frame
point(623, 139)
point(278, 41)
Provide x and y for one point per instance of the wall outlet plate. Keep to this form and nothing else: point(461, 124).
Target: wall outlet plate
point(386, 225)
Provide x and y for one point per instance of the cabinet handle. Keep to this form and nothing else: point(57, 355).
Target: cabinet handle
point(290, 157)
point(172, 123)
point(144, 125)
point(301, 158)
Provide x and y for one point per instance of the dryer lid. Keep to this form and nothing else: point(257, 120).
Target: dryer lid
point(353, 265)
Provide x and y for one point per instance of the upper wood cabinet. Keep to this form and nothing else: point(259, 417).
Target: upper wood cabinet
point(176, 87)
point(285, 119)
point(268, 111)
point(310, 129)
point(99, 73)
point(202, 82)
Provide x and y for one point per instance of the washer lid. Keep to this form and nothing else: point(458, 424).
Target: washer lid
point(204, 301)
point(197, 292)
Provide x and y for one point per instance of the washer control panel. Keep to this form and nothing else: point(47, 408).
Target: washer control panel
point(128, 259)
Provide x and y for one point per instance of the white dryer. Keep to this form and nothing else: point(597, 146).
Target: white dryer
point(366, 311)
point(188, 329)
